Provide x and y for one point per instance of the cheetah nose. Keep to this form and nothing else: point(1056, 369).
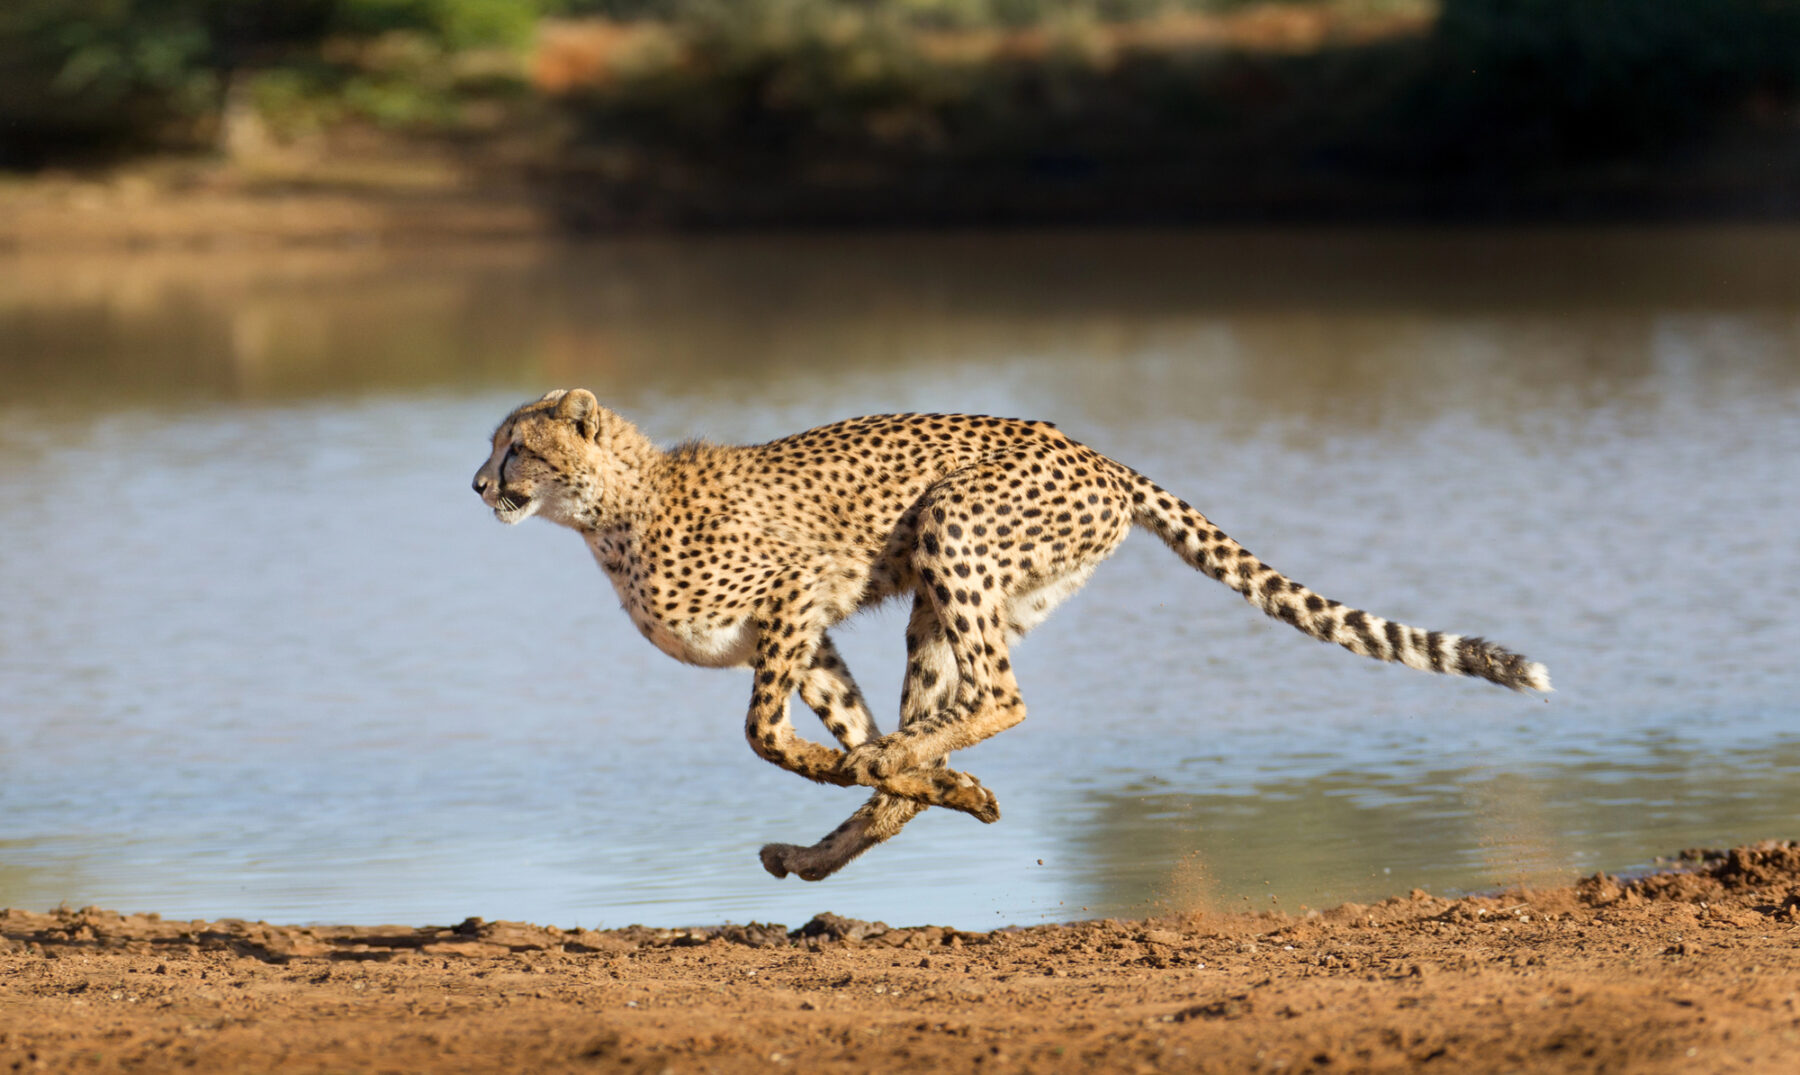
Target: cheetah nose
point(480, 485)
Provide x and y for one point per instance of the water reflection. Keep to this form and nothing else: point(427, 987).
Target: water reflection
point(1371, 321)
point(1357, 835)
point(262, 650)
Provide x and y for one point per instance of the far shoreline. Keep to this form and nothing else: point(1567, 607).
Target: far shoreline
point(396, 201)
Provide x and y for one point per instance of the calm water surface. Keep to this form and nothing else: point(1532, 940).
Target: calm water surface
point(265, 655)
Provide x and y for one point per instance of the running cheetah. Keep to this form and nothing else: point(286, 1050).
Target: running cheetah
point(734, 557)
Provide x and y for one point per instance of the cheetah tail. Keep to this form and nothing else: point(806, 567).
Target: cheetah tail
point(1206, 548)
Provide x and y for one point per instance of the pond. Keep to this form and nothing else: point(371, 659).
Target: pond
point(265, 655)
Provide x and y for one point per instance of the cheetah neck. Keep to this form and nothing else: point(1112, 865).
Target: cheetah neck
point(623, 479)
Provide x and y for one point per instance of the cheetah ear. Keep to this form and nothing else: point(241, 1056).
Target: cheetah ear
point(553, 395)
point(579, 406)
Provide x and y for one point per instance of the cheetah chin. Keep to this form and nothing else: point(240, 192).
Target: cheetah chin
point(746, 556)
point(512, 512)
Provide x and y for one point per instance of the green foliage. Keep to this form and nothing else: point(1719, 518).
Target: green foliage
point(82, 76)
point(455, 24)
point(1502, 86)
point(808, 79)
point(777, 74)
point(72, 71)
point(829, 105)
point(1506, 84)
point(948, 13)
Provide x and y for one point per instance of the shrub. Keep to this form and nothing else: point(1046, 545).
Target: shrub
point(99, 76)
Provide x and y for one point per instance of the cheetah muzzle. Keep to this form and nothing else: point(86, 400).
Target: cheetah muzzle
point(746, 557)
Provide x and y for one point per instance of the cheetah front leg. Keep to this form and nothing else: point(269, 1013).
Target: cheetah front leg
point(832, 695)
point(785, 650)
point(930, 674)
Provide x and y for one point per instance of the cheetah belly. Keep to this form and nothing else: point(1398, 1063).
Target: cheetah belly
point(708, 646)
point(1028, 608)
point(694, 641)
point(707, 643)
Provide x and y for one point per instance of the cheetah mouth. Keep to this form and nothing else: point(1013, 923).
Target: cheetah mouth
point(511, 507)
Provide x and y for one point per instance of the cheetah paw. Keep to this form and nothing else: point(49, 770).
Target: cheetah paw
point(972, 799)
point(774, 858)
point(947, 788)
point(782, 859)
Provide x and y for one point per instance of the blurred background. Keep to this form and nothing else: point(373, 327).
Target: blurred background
point(609, 114)
point(1481, 314)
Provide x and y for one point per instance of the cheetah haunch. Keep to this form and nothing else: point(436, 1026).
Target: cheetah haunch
point(746, 556)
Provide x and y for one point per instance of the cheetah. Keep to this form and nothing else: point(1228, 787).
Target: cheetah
point(733, 557)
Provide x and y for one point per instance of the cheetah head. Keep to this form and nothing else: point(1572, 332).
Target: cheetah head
point(543, 459)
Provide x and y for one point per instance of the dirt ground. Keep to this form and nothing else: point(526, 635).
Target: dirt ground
point(1697, 970)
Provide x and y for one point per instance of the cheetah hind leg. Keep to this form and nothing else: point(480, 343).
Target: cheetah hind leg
point(829, 691)
point(873, 823)
point(930, 679)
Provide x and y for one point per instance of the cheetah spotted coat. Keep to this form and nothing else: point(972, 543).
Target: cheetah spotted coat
point(746, 557)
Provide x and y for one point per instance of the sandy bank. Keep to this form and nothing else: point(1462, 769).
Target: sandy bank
point(1677, 972)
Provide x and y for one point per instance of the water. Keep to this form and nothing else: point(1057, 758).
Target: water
point(265, 655)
